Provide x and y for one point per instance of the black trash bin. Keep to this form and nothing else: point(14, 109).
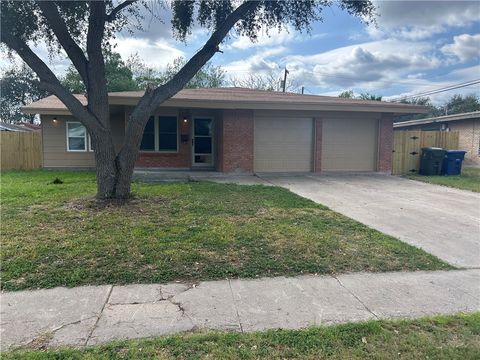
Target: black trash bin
point(452, 162)
point(431, 161)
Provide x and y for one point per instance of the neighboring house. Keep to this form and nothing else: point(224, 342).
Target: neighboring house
point(13, 127)
point(236, 130)
point(467, 125)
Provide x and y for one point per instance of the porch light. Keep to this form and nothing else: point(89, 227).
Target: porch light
point(185, 120)
point(55, 120)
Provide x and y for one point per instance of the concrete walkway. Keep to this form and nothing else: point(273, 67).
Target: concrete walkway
point(443, 221)
point(97, 314)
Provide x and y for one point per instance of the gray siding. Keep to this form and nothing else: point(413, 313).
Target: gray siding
point(54, 135)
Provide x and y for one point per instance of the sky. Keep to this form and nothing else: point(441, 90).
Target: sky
point(416, 46)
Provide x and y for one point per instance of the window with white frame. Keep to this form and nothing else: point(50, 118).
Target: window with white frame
point(77, 137)
point(160, 134)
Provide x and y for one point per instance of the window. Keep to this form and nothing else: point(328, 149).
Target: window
point(148, 139)
point(76, 137)
point(167, 133)
point(160, 134)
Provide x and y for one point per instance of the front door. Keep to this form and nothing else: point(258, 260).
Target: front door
point(202, 142)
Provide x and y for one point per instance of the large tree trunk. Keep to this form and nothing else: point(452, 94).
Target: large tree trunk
point(106, 169)
point(129, 152)
point(115, 171)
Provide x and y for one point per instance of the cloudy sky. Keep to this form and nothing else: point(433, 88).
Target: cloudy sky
point(417, 46)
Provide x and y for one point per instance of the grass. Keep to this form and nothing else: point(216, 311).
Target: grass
point(57, 235)
point(441, 337)
point(468, 180)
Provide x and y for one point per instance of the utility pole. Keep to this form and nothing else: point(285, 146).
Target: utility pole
point(303, 89)
point(285, 79)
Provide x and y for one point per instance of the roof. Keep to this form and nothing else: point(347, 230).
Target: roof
point(439, 119)
point(12, 127)
point(236, 98)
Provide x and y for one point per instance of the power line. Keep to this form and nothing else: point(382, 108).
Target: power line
point(466, 83)
point(439, 90)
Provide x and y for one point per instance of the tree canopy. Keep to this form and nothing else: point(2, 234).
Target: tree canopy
point(456, 104)
point(119, 76)
point(18, 88)
point(349, 94)
point(270, 81)
point(209, 76)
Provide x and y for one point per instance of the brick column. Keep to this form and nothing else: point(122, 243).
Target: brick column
point(317, 146)
point(236, 145)
point(385, 143)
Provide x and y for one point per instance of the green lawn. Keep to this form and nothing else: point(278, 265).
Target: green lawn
point(442, 337)
point(58, 235)
point(469, 180)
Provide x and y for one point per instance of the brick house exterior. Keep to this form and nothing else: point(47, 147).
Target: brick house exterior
point(236, 130)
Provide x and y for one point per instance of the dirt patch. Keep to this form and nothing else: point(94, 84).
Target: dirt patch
point(134, 205)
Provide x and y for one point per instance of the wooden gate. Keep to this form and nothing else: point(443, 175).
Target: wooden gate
point(408, 144)
point(20, 150)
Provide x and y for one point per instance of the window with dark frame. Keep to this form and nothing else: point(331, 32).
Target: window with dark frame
point(148, 139)
point(167, 133)
point(160, 134)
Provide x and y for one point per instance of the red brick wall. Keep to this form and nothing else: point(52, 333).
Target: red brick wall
point(385, 143)
point(218, 143)
point(235, 143)
point(317, 154)
point(180, 159)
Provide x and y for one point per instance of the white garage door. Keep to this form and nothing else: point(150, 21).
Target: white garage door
point(349, 144)
point(283, 144)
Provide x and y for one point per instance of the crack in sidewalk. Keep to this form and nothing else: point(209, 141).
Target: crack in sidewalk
point(99, 315)
point(235, 305)
point(182, 311)
point(356, 297)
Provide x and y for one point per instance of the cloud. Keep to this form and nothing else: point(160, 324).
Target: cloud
point(422, 19)
point(464, 47)
point(154, 19)
point(155, 53)
point(370, 65)
point(261, 62)
point(270, 39)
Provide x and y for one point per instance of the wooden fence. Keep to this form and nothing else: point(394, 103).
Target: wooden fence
point(20, 150)
point(408, 144)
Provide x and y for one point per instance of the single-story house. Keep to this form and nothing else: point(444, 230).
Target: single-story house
point(467, 125)
point(236, 130)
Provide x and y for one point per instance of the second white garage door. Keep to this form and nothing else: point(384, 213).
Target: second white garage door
point(349, 144)
point(283, 144)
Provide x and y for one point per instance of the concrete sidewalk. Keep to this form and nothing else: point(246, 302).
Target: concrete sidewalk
point(97, 314)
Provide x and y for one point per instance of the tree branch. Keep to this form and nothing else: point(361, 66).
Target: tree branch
point(164, 92)
point(49, 81)
point(57, 24)
point(113, 14)
point(97, 85)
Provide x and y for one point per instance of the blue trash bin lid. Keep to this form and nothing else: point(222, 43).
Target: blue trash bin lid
point(456, 151)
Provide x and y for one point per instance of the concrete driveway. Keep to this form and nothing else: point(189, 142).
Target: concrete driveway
point(443, 221)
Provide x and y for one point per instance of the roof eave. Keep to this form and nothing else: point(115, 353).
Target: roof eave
point(224, 104)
